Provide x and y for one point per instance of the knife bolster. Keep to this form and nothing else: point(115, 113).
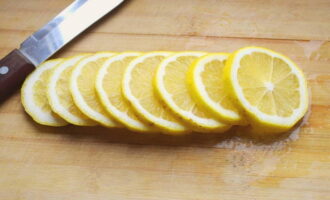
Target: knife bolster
point(14, 68)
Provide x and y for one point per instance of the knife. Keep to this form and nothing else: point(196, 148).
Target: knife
point(49, 39)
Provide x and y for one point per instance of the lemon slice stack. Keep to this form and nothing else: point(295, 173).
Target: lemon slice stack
point(169, 92)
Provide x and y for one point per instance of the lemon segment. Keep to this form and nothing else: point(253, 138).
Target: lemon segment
point(270, 88)
point(83, 89)
point(34, 98)
point(138, 89)
point(172, 86)
point(109, 88)
point(208, 86)
point(60, 97)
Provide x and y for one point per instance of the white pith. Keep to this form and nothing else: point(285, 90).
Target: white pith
point(167, 97)
point(28, 96)
point(263, 117)
point(201, 89)
point(54, 98)
point(121, 116)
point(77, 96)
point(129, 95)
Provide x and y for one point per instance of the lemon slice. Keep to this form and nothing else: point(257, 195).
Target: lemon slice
point(109, 88)
point(269, 87)
point(171, 84)
point(83, 89)
point(34, 98)
point(59, 95)
point(138, 89)
point(207, 82)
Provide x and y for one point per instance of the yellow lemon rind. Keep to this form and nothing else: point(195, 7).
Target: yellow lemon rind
point(105, 120)
point(200, 93)
point(165, 125)
point(53, 98)
point(27, 100)
point(199, 124)
point(259, 120)
point(121, 117)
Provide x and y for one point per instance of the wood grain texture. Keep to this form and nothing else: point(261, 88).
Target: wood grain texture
point(295, 19)
point(39, 162)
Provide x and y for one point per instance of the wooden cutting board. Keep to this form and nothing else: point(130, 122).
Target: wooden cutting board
point(39, 162)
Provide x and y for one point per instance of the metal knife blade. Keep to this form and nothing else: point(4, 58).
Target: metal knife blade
point(49, 39)
point(63, 28)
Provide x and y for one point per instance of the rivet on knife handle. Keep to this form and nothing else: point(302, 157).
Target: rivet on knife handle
point(13, 70)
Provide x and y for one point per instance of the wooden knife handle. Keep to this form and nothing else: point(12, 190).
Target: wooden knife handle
point(14, 68)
